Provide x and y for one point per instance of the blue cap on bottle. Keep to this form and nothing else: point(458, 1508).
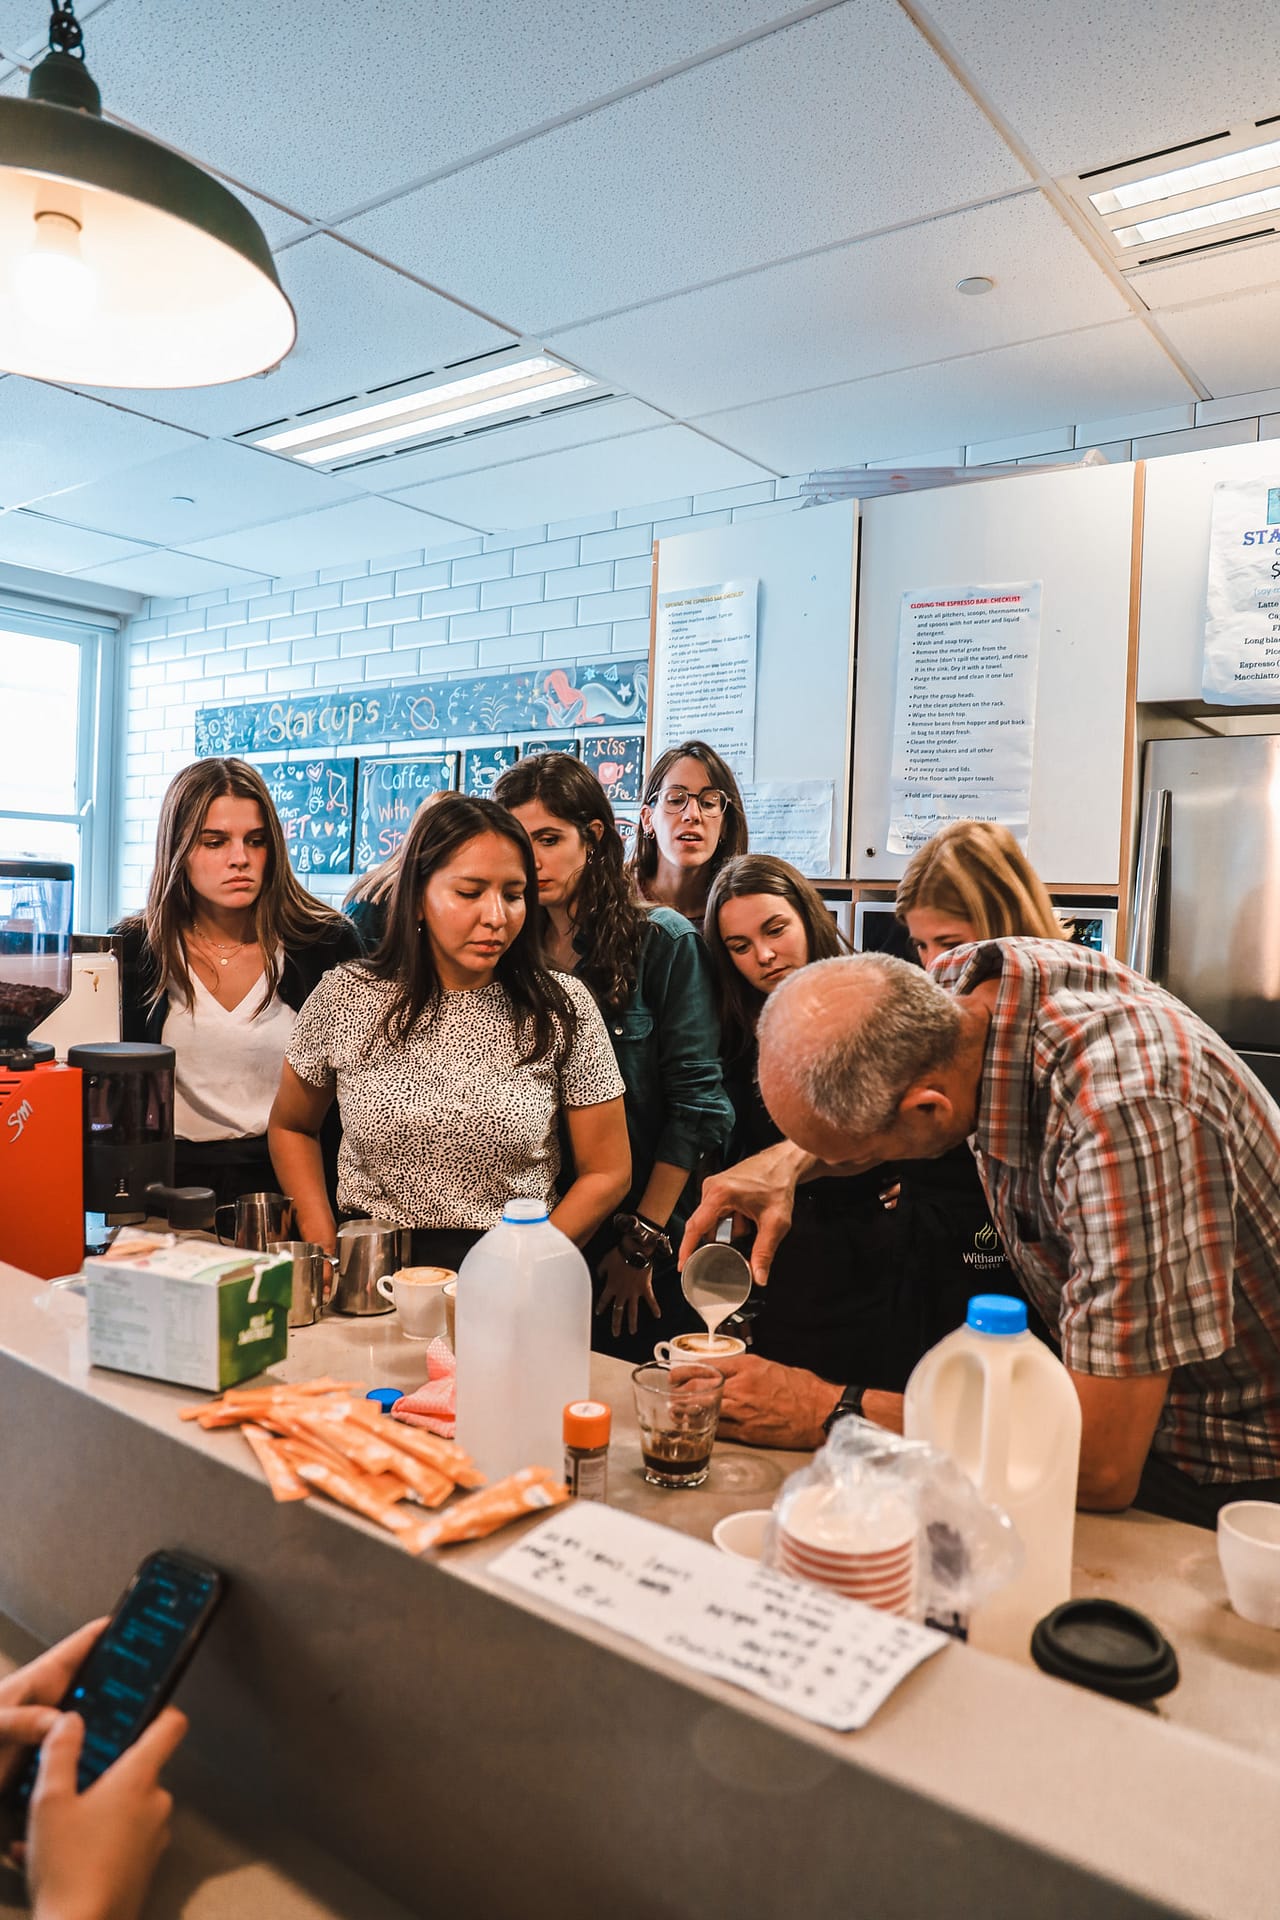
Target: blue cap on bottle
point(996, 1313)
point(525, 1213)
point(386, 1397)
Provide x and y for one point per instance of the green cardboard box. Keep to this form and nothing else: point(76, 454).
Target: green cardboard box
point(193, 1312)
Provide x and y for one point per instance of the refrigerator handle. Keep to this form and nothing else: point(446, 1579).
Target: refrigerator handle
point(1146, 885)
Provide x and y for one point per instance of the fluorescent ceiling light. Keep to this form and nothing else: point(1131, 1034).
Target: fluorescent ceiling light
point(1195, 219)
point(438, 409)
point(1204, 173)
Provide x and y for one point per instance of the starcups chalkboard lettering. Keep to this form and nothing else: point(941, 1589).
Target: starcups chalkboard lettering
point(391, 791)
point(314, 801)
point(542, 699)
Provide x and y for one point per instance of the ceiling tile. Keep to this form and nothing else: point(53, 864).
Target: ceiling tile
point(983, 397)
point(866, 308)
point(1234, 270)
point(1234, 345)
point(359, 530)
point(402, 330)
point(573, 427)
point(30, 540)
point(1087, 87)
point(612, 473)
point(733, 165)
point(51, 440)
point(393, 99)
point(161, 574)
point(228, 486)
point(278, 226)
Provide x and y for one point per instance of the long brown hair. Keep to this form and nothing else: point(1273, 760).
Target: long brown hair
point(978, 872)
point(733, 827)
point(404, 959)
point(761, 873)
point(607, 921)
point(284, 914)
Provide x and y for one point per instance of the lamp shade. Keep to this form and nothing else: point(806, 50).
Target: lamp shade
point(122, 264)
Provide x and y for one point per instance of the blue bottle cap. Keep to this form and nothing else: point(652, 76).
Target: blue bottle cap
point(996, 1313)
point(386, 1397)
point(525, 1213)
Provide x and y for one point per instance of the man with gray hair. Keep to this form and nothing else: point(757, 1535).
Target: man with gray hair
point(1132, 1167)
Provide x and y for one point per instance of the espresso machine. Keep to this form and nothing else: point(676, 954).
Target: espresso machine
point(41, 1186)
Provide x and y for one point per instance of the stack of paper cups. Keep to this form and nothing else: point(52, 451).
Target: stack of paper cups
point(865, 1554)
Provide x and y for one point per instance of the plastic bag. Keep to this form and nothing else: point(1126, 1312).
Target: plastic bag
point(863, 1487)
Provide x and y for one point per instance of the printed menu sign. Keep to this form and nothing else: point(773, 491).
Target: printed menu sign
point(1242, 617)
point(706, 682)
point(964, 719)
point(830, 1660)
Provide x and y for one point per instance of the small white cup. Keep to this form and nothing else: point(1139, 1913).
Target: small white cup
point(417, 1293)
point(1249, 1550)
point(694, 1346)
point(742, 1534)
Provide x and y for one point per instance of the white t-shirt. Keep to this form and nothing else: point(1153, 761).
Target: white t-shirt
point(445, 1128)
point(228, 1061)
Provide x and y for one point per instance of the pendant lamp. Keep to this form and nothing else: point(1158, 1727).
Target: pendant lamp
point(121, 263)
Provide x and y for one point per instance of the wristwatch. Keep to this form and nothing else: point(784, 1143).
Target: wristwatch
point(640, 1239)
point(850, 1401)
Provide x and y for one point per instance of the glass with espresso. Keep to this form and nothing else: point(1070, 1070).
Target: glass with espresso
point(677, 1407)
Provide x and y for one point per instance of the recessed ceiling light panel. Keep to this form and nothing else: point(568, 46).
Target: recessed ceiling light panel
point(511, 385)
point(1151, 209)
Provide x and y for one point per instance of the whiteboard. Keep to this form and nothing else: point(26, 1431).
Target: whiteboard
point(1175, 561)
point(1074, 532)
point(806, 562)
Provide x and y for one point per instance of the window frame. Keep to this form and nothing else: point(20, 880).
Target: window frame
point(98, 637)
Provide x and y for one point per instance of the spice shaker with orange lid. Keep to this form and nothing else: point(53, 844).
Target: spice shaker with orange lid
point(587, 1425)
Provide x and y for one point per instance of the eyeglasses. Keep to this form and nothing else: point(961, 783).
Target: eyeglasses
point(710, 801)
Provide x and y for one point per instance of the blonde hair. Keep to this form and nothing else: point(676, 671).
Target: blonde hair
point(977, 871)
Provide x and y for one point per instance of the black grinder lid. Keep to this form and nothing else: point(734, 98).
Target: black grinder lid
point(1107, 1647)
point(121, 1056)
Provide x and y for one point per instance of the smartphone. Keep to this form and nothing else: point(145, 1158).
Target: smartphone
point(133, 1668)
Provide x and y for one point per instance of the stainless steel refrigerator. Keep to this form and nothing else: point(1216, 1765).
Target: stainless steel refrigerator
point(1206, 918)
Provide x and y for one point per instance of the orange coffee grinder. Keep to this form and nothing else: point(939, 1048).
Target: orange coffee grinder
point(41, 1125)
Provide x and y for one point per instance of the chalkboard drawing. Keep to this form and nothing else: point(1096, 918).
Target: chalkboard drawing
point(391, 791)
point(481, 767)
point(617, 761)
point(544, 699)
point(549, 743)
point(314, 802)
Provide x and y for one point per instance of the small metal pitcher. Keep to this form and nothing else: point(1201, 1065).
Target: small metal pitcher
point(368, 1249)
point(259, 1219)
point(310, 1280)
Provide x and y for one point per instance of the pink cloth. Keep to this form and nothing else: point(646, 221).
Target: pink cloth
point(435, 1404)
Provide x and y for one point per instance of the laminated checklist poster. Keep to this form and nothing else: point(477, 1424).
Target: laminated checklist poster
point(827, 1659)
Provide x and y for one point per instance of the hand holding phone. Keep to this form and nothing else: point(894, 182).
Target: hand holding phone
point(95, 1852)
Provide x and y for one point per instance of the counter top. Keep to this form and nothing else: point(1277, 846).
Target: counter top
point(340, 1650)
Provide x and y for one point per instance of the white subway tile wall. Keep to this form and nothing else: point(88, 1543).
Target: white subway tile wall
point(574, 590)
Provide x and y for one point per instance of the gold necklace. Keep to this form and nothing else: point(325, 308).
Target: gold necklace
point(219, 950)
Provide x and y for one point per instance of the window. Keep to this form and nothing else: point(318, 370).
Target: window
point(56, 684)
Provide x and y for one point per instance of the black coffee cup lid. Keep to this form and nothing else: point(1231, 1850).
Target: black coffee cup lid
point(1109, 1648)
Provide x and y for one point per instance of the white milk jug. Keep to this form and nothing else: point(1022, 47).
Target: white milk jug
point(1004, 1407)
point(523, 1340)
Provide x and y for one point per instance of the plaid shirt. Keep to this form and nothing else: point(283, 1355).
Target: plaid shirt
point(1132, 1166)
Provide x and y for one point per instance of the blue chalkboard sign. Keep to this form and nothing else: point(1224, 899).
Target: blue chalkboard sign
point(315, 802)
point(391, 791)
point(483, 766)
point(617, 761)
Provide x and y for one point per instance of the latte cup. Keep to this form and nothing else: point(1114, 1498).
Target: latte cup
point(417, 1294)
point(697, 1346)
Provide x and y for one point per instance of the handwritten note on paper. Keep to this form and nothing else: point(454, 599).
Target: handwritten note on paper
point(830, 1660)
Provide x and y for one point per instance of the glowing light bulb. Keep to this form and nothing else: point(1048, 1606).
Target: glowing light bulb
point(54, 283)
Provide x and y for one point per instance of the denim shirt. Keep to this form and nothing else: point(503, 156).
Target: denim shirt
point(667, 1042)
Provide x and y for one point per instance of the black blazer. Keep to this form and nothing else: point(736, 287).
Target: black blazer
point(299, 976)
